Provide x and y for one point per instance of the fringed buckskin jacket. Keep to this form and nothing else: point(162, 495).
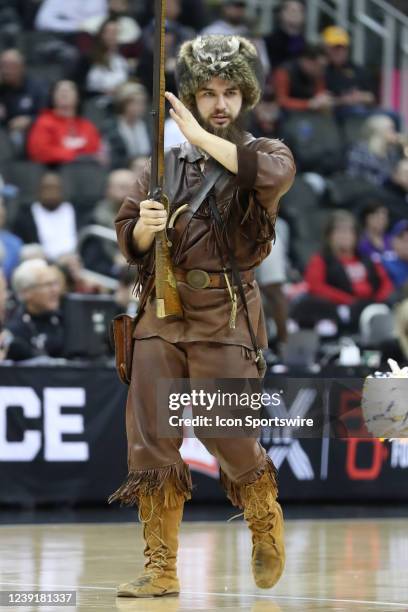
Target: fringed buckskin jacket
point(248, 203)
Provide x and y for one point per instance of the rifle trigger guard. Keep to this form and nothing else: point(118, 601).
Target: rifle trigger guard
point(176, 213)
point(165, 201)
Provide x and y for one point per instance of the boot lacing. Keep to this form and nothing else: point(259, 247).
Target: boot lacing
point(260, 515)
point(157, 561)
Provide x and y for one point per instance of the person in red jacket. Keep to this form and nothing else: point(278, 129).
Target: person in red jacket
point(60, 135)
point(339, 276)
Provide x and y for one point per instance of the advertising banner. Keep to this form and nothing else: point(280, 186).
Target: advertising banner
point(62, 440)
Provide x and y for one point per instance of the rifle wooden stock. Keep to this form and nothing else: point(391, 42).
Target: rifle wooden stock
point(167, 297)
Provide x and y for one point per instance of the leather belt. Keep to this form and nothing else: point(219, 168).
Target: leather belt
point(200, 279)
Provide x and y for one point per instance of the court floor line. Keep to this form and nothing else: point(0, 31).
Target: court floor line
point(248, 595)
point(293, 597)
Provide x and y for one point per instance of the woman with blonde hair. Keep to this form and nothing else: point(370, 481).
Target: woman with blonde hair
point(375, 157)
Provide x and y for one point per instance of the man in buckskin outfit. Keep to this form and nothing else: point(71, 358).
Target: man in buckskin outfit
point(219, 80)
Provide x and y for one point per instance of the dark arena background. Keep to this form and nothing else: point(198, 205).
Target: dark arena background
point(76, 86)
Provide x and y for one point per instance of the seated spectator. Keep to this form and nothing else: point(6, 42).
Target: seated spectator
point(347, 82)
point(374, 240)
point(127, 135)
point(103, 255)
point(287, 41)
point(60, 135)
point(10, 242)
point(50, 222)
point(375, 157)
point(21, 97)
point(36, 326)
point(339, 276)
point(300, 84)
point(67, 17)
point(395, 260)
point(129, 30)
point(233, 20)
point(108, 68)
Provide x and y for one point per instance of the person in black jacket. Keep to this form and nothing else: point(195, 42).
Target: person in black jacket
point(36, 328)
point(287, 41)
point(347, 82)
point(21, 96)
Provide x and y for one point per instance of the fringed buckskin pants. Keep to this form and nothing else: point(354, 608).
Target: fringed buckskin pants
point(153, 461)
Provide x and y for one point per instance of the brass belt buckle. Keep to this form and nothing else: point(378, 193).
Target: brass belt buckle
point(198, 279)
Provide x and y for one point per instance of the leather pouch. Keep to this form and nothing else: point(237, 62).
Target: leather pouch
point(122, 328)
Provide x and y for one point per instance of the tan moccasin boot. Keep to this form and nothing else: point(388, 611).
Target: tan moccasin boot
point(265, 520)
point(160, 531)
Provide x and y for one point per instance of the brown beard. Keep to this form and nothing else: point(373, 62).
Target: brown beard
point(233, 132)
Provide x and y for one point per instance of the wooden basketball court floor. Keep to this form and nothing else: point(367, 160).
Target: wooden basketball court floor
point(337, 565)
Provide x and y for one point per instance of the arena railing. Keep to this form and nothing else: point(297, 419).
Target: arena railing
point(360, 18)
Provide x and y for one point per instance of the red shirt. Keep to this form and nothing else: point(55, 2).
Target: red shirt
point(315, 277)
point(54, 139)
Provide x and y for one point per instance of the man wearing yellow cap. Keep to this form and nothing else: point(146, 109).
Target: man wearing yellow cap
point(347, 82)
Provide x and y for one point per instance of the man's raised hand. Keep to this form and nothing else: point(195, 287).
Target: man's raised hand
point(185, 120)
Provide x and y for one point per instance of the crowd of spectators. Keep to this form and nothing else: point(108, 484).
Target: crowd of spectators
point(75, 92)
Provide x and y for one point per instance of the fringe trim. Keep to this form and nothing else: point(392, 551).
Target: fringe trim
point(173, 482)
point(236, 491)
point(261, 219)
point(144, 274)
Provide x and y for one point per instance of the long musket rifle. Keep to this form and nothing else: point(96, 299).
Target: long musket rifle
point(167, 297)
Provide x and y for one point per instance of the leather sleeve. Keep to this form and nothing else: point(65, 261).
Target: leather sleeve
point(267, 168)
point(128, 216)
